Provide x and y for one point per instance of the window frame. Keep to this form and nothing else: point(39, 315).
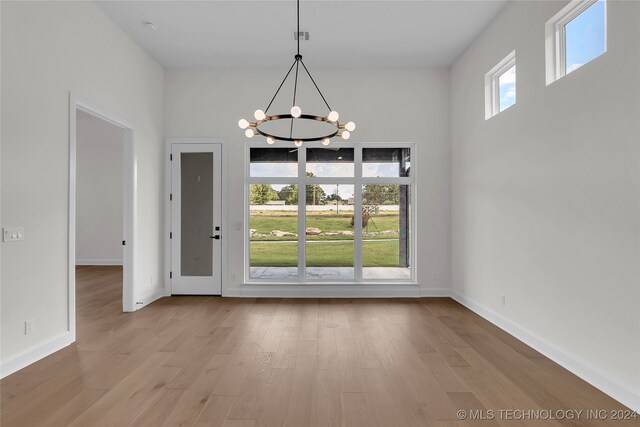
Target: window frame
point(492, 85)
point(357, 181)
point(556, 37)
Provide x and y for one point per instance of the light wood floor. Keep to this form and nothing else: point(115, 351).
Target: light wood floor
point(209, 361)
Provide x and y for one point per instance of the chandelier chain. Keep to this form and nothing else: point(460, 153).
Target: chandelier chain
point(298, 35)
point(314, 83)
point(280, 87)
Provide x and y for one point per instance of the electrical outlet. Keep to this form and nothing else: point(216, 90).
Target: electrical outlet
point(503, 299)
point(238, 225)
point(28, 326)
point(233, 278)
point(435, 277)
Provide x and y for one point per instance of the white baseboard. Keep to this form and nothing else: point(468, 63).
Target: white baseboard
point(333, 291)
point(621, 392)
point(143, 302)
point(35, 353)
point(98, 262)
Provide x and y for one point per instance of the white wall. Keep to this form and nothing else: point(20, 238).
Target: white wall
point(99, 176)
point(406, 105)
point(49, 49)
point(546, 195)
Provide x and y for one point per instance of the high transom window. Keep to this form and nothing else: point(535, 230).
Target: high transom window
point(576, 35)
point(500, 86)
point(336, 214)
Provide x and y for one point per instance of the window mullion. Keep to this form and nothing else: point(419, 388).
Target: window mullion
point(302, 215)
point(357, 215)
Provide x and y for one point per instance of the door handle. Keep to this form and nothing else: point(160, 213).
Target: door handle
point(216, 236)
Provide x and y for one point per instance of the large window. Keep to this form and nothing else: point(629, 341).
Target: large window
point(575, 35)
point(340, 214)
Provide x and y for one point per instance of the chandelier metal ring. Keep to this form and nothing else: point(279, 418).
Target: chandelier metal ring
point(301, 117)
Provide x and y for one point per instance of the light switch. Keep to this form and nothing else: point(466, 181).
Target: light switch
point(12, 234)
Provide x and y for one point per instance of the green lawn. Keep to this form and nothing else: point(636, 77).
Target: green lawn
point(265, 222)
point(324, 254)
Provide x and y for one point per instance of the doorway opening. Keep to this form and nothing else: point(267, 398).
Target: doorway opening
point(99, 214)
point(101, 211)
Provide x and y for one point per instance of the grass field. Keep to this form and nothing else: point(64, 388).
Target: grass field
point(337, 251)
point(265, 222)
point(324, 254)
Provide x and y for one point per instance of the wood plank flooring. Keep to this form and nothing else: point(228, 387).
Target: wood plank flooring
point(208, 361)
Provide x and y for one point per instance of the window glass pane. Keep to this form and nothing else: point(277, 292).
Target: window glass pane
point(273, 162)
point(323, 162)
point(386, 231)
point(329, 233)
point(196, 186)
point(585, 36)
point(386, 162)
point(273, 228)
point(507, 85)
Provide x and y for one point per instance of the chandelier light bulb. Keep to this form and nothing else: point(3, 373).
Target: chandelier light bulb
point(259, 115)
point(270, 140)
point(249, 133)
point(333, 116)
point(243, 124)
point(298, 143)
point(296, 111)
point(326, 141)
point(350, 126)
point(345, 134)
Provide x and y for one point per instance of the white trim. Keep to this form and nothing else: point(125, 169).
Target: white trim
point(167, 217)
point(150, 298)
point(35, 353)
point(224, 232)
point(331, 290)
point(302, 217)
point(357, 214)
point(555, 38)
point(129, 205)
point(621, 392)
point(492, 85)
point(98, 261)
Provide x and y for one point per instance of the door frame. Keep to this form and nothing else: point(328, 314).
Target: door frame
point(167, 207)
point(129, 208)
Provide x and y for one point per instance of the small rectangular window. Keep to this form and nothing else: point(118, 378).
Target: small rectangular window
point(386, 162)
point(575, 35)
point(273, 162)
point(500, 86)
point(323, 162)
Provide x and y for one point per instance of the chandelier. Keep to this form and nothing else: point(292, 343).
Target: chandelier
point(337, 129)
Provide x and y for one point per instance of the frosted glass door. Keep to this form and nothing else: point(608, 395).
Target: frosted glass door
point(196, 230)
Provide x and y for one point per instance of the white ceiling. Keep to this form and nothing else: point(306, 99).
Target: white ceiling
point(259, 34)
